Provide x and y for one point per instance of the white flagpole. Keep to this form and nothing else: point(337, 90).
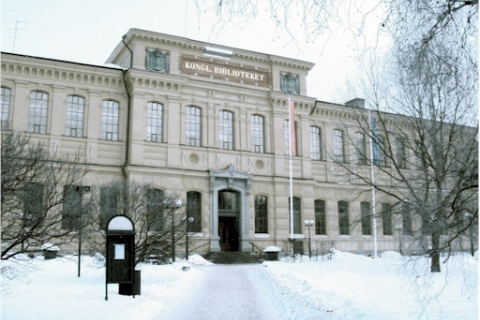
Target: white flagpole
point(373, 188)
point(290, 120)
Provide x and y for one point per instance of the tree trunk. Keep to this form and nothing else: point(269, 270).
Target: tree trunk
point(435, 255)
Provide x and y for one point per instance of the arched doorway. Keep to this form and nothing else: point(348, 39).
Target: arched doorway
point(228, 220)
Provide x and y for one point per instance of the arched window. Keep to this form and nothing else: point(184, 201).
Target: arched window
point(315, 143)
point(37, 115)
point(74, 116)
point(343, 218)
point(297, 215)
point(387, 219)
point(257, 132)
point(154, 122)
point(320, 217)
point(193, 127)
point(366, 216)
point(110, 115)
point(360, 148)
point(226, 130)
point(261, 214)
point(338, 146)
point(290, 146)
point(194, 210)
point(6, 96)
point(155, 210)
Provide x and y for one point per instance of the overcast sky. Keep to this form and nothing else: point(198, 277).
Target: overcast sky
point(87, 31)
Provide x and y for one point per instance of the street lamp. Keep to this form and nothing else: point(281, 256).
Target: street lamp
point(190, 219)
point(308, 224)
point(399, 228)
point(172, 205)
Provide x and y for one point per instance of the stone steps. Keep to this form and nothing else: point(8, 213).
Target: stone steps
point(234, 257)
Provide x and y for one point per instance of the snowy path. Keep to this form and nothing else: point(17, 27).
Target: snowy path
point(231, 292)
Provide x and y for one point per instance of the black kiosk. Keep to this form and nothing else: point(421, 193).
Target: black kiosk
point(120, 251)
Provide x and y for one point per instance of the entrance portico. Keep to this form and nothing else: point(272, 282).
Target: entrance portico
point(229, 229)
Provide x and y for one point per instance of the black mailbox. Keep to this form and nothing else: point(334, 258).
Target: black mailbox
point(120, 251)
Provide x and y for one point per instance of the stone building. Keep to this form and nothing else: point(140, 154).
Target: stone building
point(209, 123)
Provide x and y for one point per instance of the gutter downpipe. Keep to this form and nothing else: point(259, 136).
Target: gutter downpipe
point(129, 107)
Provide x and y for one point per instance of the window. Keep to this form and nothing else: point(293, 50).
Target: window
point(37, 116)
point(6, 94)
point(360, 148)
point(108, 205)
point(382, 157)
point(154, 122)
point(71, 210)
point(297, 215)
point(315, 143)
point(110, 120)
point(387, 219)
point(366, 216)
point(194, 130)
point(406, 219)
point(155, 210)
point(320, 221)
point(33, 205)
point(401, 154)
point(343, 219)
point(226, 130)
point(338, 148)
point(261, 214)
point(74, 118)
point(257, 134)
point(194, 210)
point(293, 144)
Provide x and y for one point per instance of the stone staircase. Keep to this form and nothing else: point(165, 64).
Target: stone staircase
point(232, 257)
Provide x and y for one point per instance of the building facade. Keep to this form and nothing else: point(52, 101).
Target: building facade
point(209, 123)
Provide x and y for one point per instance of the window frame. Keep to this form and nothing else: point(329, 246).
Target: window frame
point(320, 217)
point(297, 214)
point(80, 115)
point(360, 148)
point(38, 112)
point(261, 214)
point(257, 132)
point(338, 146)
point(316, 143)
point(194, 210)
point(193, 126)
point(343, 218)
point(110, 120)
point(225, 130)
point(366, 218)
point(154, 122)
point(387, 219)
point(6, 101)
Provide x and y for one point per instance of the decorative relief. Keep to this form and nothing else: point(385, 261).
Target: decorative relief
point(156, 60)
point(289, 83)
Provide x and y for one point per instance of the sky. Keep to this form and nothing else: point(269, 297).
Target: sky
point(87, 31)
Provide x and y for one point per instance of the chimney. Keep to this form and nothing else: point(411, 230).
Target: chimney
point(356, 103)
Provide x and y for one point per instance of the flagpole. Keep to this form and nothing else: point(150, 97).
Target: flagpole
point(290, 120)
point(372, 173)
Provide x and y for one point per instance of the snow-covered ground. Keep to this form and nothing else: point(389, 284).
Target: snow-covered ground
point(345, 287)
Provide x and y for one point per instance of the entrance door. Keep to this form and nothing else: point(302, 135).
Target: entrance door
point(228, 232)
point(228, 213)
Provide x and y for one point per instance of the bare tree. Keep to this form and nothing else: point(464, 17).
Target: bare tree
point(159, 221)
point(426, 152)
point(37, 196)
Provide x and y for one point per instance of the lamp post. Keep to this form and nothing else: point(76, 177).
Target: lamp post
point(399, 228)
point(189, 220)
point(173, 205)
point(308, 224)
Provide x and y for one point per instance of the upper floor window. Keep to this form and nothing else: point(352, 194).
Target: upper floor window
point(257, 131)
point(6, 94)
point(343, 218)
point(261, 214)
point(406, 219)
point(110, 115)
point(382, 156)
point(155, 210)
point(360, 148)
point(37, 116)
point(74, 116)
point(297, 215)
point(338, 146)
point(194, 211)
point(194, 129)
point(366, 218)
point(154, 122)
point(226, 130)
point(315, 143)
point(401, 153)
point(290, 146)
point(320, 217)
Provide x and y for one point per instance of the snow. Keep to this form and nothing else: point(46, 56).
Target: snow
point(272, 249)
point(347, 286)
